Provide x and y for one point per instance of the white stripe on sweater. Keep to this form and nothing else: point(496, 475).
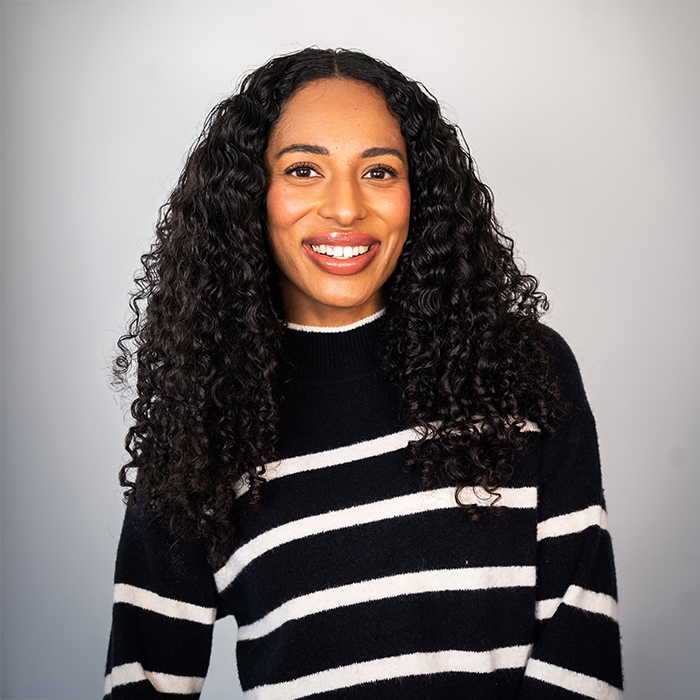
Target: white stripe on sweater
point(352, 453)
point(147, 600)
point(348, 454)
point(581, 598)
point(162, 682)
point(452, 661)
point(400, 506)
point(464, 579)
point(572, 681)
point(342, 455)
point(573, 522)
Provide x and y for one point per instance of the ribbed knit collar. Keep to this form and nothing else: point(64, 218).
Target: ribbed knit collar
point(338, 351)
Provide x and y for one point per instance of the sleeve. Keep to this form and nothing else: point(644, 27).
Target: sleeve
point(577, 649)
point(163, 615)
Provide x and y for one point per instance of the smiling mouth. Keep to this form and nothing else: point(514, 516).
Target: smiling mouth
point(339, 252)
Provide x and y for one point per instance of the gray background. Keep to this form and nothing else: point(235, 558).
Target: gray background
point(583, 115)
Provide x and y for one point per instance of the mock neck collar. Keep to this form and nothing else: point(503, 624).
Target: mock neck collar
point(337, 352)
point(336, 329)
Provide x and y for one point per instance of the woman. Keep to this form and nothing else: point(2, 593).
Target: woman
point(351, 431)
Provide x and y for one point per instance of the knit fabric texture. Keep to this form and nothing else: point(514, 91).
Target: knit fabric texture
point(350, 581)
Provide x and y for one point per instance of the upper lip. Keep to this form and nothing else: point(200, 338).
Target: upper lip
point(352, 238)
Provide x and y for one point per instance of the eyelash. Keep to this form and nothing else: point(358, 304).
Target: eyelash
point(380, 167)
point(299, 166)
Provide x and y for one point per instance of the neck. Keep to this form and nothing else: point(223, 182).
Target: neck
point(302, 310)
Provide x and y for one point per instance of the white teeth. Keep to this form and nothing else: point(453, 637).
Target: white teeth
point(340, 252)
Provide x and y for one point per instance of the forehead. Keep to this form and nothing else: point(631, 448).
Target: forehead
point(337, 110)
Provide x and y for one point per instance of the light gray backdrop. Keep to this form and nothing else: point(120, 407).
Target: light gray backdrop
point(583, 115)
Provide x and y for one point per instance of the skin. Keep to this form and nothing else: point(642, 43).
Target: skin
point(338, 173)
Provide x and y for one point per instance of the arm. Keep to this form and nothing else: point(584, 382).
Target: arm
point(162, 617)
point(577, 650)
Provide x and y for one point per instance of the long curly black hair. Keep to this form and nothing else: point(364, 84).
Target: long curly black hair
point(462, 338)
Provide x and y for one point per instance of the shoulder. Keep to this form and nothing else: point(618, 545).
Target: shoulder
point(563, 367)
point(570, 479)
point(562, 360)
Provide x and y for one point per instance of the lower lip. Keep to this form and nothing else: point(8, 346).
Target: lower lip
point(351, 266)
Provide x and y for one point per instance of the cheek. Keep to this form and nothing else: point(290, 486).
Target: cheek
point(277, 208)
point(284, 207)
point(284, 233)
point(397, 213)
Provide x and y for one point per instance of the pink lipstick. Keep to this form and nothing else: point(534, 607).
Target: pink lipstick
point(341, 252)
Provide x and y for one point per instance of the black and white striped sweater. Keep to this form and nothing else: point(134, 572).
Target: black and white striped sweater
point(351, 582)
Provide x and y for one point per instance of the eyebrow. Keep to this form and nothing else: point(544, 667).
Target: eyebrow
point(323, 151)
point(304, 148)
point(376, 152)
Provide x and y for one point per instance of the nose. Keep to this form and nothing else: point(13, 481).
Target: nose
point(343, 201)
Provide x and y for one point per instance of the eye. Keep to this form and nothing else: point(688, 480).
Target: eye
point(302, 170)
point(380, 172)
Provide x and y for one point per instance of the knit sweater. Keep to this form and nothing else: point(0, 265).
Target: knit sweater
point(350, 581)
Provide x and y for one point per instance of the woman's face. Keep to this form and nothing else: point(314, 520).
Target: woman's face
point(338, 201)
